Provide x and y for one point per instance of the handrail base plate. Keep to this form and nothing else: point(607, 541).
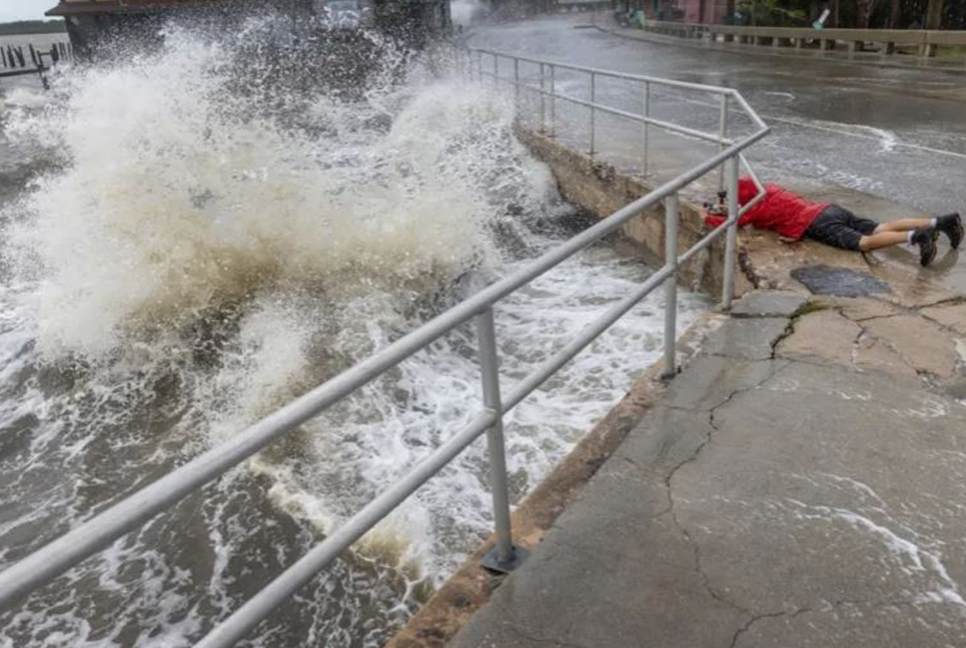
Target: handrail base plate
point(491, 561)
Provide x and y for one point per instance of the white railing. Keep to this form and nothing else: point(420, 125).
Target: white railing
point(47, 563)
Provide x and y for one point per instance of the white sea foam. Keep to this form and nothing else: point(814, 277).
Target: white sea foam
point(195, 259)
point(919, 563)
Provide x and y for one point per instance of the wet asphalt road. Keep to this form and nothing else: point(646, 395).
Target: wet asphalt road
point(895, 133)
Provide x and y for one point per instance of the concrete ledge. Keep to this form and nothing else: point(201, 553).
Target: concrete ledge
point(599, 188)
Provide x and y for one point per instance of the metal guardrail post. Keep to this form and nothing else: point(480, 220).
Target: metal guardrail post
point(543, 100)
point(647, 114)
point(723, 133)
point(504, 557)
point(671, 215)
point(731, 238)
point(553, 100)
point(593, 113)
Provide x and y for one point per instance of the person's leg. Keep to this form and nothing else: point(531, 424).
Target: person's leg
point(951, 225)
point(921, 232)
point(904, 225)
point(838, 227)
point(883, 239)
point(923, 237)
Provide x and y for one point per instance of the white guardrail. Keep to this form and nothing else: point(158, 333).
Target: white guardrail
point(44, 565)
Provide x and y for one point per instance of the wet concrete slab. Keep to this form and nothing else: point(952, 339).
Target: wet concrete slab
point(950, 315)
point(803, 496)
point(749, 339)
point(824, 279)
point(764, 303)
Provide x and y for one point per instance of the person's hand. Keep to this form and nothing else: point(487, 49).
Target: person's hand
point(715, 210)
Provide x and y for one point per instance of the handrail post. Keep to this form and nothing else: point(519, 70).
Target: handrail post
point(504, 557)
point(543, 101)
point(671, 215)
point(722, 134)
point(553, 100)
point(516, 82)
point(647, 114)
point(731, 237)
point(42, 73)
point(593, 112)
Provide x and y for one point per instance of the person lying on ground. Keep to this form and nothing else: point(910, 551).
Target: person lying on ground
point(793, 217)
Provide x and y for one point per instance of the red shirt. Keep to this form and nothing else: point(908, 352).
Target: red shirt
point(780, 210)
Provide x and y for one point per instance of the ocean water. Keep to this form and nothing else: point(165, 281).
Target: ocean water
point(189, 244)
point(39, 41)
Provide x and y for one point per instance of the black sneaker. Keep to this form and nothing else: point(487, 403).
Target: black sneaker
point(952, 226)
point(925, 238)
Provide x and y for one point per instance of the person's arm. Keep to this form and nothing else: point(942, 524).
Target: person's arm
point(747, 218)
point(714, 220)
point(747, 190)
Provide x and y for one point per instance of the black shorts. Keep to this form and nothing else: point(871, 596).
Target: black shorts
point(838, 227)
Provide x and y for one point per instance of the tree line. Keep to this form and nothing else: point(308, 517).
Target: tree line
point(32, 27)
point(876, 14)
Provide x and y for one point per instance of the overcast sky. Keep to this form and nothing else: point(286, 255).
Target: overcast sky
point(24, 9)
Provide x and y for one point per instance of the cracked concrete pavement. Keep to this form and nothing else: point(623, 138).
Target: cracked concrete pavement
point(802, 483)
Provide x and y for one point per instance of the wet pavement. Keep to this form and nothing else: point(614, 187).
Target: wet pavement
point(896, 133)
point(776, 496)
point(800, 481)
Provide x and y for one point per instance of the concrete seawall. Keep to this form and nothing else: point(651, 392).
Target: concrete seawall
point(658, 464)
point(602, 190)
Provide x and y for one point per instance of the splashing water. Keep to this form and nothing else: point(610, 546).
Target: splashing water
point(194, 256)
point(465, 11)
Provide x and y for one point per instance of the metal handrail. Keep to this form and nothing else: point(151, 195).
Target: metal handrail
point(520, 83)
point(673, 83)
point(52, 560)
point(617, 112)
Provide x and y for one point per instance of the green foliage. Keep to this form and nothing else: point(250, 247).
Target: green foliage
point(32, 27)
point(773, 13)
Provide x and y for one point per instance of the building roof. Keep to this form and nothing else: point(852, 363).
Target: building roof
point(88, 7)
point(81, 7)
